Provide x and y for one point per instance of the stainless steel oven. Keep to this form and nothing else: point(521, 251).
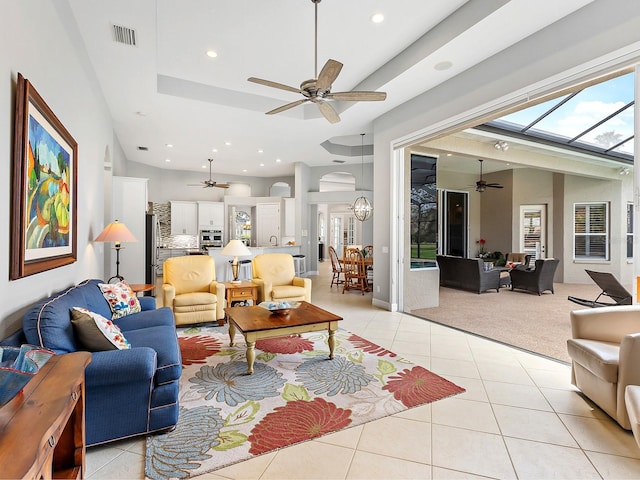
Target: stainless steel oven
point(210, 238)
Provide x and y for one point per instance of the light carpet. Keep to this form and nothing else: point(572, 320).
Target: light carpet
point(296, 394)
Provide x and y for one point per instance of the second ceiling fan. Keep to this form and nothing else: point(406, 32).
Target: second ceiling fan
point(481, 185)
point(318, 89)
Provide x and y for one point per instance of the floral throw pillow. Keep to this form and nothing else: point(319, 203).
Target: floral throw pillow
point(96, 333)
point(122, 300)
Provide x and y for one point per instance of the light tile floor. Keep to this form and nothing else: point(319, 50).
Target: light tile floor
point(519, 418)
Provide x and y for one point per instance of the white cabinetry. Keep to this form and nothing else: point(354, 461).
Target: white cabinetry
point(184, 218)
point(129, 206)
point(267, 223)
point(210, 215)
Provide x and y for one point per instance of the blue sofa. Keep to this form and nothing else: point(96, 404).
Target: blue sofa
point(128, 392)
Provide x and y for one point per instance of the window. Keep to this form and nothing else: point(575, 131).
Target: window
point(591, 231)
point(630, 230)
point(424, 211)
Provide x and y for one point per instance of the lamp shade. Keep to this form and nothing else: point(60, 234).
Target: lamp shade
point(235, 248)
point(116, 232)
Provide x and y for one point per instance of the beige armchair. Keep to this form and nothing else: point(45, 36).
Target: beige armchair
point(190, 289)
point(275, 275)
point(605, 354)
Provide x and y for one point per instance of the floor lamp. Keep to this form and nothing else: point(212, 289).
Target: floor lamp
point(116, 232)
point(235, 249)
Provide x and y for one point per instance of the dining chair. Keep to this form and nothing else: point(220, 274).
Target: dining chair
point(355, 273)
point(336, 266)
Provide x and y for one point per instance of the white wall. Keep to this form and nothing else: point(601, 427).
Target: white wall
point(41, 43)
point(579, 46)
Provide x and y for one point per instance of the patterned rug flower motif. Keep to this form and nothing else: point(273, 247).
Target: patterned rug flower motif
point(295, 394)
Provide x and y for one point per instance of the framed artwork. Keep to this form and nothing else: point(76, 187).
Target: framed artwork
point(44, 187)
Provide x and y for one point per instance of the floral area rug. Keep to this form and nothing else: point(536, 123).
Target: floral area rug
point(295, 394)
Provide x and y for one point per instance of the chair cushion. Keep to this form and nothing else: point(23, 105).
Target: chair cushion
point(195, 298)
point(287, 291)
point(600, 358)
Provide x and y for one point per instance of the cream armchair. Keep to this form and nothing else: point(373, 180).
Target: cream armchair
point(191, 291)
point(275, 275)
point(605, 354)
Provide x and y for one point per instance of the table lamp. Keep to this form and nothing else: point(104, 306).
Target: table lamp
point(116, 232)
point(235, 249)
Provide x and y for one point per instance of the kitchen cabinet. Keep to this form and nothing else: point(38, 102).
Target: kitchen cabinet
point(184, 218)
point(267, 224)
point(210, 215)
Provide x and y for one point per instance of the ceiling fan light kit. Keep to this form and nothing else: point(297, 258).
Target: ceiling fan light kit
point(318, 89)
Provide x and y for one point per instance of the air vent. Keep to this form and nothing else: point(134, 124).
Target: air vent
point(124, 35)
point(144, 149)
point(338, 161)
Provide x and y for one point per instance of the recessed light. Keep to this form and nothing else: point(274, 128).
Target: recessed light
point(212, 54)
point(449, 154)
point(168, 160)
point(244, 170)
point(262, 164)
point(204, 166)
point(228, 144)
point(278, 160)
point(260, 151)
point(446, 65)
point(214, 150)
point(377, 18)
point(168, 145)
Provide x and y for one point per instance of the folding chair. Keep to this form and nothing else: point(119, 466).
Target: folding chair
point(611, 288)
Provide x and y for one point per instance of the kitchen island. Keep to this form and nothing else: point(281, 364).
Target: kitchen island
point(223, 274)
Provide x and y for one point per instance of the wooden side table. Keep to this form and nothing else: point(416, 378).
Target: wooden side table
point(42, 429)
point(141, 287)
point(239, 292)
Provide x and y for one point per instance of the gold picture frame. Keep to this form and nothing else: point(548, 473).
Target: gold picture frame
point(44, 187)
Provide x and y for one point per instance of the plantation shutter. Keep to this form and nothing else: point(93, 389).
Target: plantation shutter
point(591, 231)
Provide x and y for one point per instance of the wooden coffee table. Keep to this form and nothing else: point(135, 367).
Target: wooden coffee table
point(255, 323)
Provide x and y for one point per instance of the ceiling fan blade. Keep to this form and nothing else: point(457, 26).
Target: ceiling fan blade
point(196, 184)
point(269, 83)
point(222, 185)
point(287, 106)
point(494, 185)
point(328, 74)
point(328, 111)
point(357, 96)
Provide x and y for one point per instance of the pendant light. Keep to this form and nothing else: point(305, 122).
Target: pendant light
point(362, 208)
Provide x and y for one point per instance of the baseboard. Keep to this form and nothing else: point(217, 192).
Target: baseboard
point(385, 305)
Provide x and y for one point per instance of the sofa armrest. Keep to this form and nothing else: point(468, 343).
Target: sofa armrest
point(219, 290)
point(306, 283)
point(147, 303)
point(629, 361)
point(121, 366)
point(264, 289)
point(168, 295)
point(606, 324)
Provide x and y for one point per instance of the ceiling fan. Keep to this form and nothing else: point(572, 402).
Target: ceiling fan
point(209, 183)
point(318, 89)
point(481, 185)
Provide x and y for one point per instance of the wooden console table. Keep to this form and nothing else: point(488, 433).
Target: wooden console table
point(42, 428)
